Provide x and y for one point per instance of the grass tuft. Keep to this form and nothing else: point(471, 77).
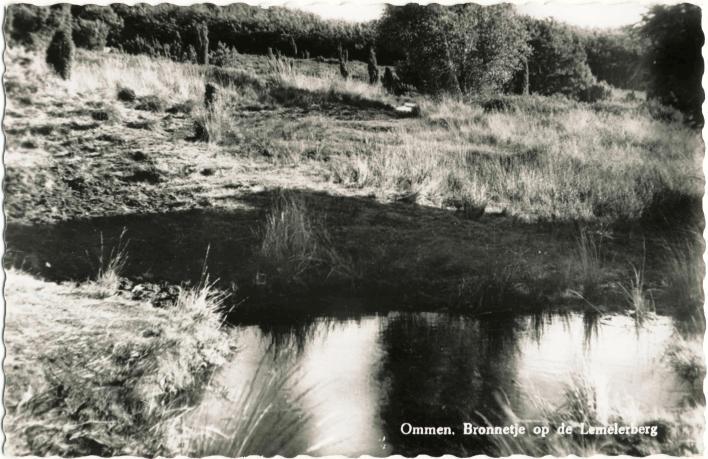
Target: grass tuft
point(685, 271)
point(259, 409)
point(296, 247)
point(587, 269)
point(639, 300)
point(110, 269)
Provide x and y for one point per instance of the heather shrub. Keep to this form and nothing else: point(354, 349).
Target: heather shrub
point(222, 56)
point(596, 92)
point(151, 104)
point(126, 95)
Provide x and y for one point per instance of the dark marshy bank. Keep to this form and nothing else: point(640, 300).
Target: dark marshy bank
point(234, 230)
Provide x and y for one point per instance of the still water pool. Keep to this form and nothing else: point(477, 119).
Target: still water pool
point(346, 386)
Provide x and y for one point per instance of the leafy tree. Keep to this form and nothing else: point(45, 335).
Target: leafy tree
point(89, 34)
point(615, 56)
point(460, 49)
point(675, 67)
point(558, 63)
point(32, 26)
point(92, 25)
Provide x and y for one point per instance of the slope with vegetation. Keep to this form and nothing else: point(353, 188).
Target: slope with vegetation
point(89, 374)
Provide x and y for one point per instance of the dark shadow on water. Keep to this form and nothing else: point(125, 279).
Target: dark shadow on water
point(445, 371)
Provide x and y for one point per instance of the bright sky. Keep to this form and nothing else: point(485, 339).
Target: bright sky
point(589, 14)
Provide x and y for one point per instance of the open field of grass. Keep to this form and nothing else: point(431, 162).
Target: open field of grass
point(534, 158)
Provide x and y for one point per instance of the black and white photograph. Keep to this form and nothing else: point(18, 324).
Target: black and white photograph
point(327, 228)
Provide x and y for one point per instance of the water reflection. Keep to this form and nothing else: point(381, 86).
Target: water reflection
point(356, 381)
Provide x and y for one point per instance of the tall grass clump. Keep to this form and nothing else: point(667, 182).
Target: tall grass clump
point(539, 158)
point(110, 269)
point(290, 245)
point(212, 124)
point(638, 297)
point(145, 75)
point(685, 272)
point(289, 84)
point(295, 246)
point(262, 407)
point(587, 270)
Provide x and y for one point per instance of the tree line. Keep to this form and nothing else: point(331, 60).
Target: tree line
point(461, 49)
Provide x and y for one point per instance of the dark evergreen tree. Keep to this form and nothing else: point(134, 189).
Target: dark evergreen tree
point(211, 92)
point(343, 58)
point(293, 47)
point(202, 43)
point(372, 67)
point(60, 52)
point(525, 78)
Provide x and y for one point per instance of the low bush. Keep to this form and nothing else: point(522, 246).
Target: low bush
point(150, 104)
point(126, 95)
point(498, 105)
point(662, 112)
point(686, 359)
point(596, 92)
